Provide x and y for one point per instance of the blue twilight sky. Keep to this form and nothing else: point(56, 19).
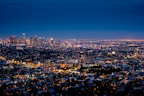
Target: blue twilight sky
point(85, 19)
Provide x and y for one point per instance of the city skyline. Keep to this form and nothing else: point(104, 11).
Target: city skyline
point(27, 37)
point(81, 19)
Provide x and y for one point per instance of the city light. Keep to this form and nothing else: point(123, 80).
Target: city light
point(64, 66)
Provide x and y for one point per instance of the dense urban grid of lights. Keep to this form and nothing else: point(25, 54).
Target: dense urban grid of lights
point(39, 66)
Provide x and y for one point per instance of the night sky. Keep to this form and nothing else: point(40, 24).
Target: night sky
point(81, 19)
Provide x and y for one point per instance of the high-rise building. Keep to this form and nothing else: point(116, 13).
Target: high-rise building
point(23, 36)
point(31, 42)
point(39, 42)
point(22, 41)
point(51, 40)
point(35, 41)
point(13, 40)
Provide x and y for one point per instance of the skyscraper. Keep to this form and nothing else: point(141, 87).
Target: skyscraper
point(23, 40)
point(30, 42)
point(35, 39)
point(51, 40)
point(23, 36)
point(13, 40)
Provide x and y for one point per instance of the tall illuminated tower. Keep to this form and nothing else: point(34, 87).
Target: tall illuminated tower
point(23, 40)
point(51, 40)
point(23, 36)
